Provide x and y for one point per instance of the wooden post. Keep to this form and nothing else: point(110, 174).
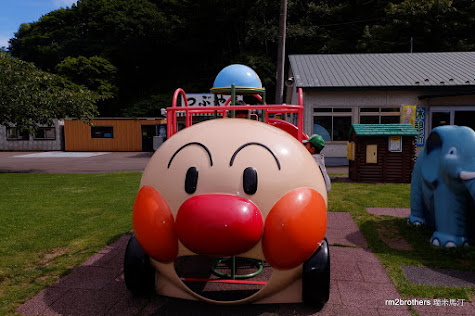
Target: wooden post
point(279, 84)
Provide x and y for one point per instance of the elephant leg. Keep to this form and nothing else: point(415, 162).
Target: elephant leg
point(417, 200)
point(422, 206)
point(450, 219)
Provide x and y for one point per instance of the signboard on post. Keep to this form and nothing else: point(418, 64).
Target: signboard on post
point(395, 144)
point(420, 125)
point(408, 114)
point(416, 116)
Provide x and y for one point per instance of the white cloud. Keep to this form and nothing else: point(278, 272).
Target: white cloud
point(64, 3)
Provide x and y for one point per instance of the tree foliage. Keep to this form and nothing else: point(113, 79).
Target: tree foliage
point(432, 25)
point(160, 45)
point(96, 73)
point(29, 96)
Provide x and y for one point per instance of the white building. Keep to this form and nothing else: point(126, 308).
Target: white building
point(344, 89)
point(46, 138)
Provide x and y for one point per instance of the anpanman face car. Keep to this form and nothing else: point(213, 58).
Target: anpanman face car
point(231, 190)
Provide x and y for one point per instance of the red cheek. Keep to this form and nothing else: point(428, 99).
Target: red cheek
point(154, 226)
point(294, 228)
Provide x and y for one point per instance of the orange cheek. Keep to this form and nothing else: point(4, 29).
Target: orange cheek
point(154, 226)
point(294, 228)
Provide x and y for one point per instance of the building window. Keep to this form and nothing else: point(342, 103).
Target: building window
point(380, 115)
point(14, 133)
point(102, 132)
point(333, 124)
point(48, 133)
point(465, 118)
point(461, 116)
point(440, 119)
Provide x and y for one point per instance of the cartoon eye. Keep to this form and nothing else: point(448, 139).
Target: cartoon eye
point(191, 180)
point(249, 178)
point(452, 151)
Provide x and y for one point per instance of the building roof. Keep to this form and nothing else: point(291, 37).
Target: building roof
point(383, 130)
point(384, 70)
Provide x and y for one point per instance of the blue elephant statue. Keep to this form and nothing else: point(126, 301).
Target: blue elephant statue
point(443, 186)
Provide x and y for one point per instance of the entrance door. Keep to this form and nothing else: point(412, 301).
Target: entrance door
point(148, 131)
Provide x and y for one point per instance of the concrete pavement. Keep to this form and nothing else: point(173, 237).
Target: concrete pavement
point(359, 286)
point(85, 162)
point(70, 162)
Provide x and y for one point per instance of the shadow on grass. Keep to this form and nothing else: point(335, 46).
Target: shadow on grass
point(421, 254)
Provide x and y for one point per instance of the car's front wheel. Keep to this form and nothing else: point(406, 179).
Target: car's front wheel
point(139, 273)
point(316, 277)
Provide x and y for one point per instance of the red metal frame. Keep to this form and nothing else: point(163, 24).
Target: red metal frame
point(268, 108)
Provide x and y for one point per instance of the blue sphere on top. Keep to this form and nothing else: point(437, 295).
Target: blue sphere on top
point(240, 75)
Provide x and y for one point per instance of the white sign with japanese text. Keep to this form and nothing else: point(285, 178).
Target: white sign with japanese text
point(206, 99)
point(420, 125)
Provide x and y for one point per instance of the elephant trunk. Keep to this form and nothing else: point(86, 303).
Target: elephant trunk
point(468, 177)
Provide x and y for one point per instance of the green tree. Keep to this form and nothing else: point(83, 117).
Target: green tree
point(96, 73)
point(131, 34)
point(160, 45)
point(150, 106)
point(29, 96)
point(431, 25)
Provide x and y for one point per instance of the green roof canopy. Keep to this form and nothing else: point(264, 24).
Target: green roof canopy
point(383, 130)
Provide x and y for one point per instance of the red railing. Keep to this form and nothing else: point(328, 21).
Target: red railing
point(172, 127)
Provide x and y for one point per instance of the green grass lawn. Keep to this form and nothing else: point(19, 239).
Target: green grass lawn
point(356, 197)
point(50, 223)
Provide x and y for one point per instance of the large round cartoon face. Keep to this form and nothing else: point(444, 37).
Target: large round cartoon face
point(232, 188)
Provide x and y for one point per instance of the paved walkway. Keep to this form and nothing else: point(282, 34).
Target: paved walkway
point(359, 286)
point(85, 162)
point(69, 162)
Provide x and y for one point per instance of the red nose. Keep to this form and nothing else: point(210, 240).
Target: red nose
point(219, 225)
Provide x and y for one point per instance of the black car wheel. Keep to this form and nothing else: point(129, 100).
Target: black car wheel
point(316, 277)
point(139, 273)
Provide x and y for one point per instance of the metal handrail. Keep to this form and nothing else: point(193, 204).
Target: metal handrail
point(268, 108)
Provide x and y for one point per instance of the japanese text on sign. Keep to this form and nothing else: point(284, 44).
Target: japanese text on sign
point(420, 125)
point(205, 99)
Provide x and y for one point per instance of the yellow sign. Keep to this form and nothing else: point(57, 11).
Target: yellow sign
point(350, 151)
point(395, 143)
point(408, 115)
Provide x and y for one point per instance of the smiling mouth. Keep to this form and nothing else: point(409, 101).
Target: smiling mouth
point(215, 279)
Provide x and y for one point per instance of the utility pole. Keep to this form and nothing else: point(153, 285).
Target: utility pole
point(279, 85)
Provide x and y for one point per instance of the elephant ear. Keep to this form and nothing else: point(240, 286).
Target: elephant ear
point(431, 163)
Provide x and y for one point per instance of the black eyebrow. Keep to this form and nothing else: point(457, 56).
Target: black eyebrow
point(258, 144)
point(192, 143)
